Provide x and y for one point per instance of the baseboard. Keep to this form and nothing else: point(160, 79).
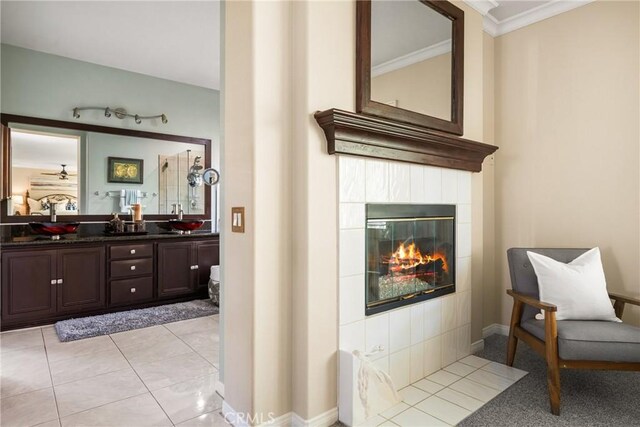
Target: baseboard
point(323, 420)
point(232, 416)
point(477, 346)
point(495, 328)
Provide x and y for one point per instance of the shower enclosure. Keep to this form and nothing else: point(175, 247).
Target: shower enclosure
point(181, 182)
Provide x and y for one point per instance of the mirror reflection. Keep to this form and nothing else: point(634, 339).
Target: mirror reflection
point(92, 173)
point(411, 57)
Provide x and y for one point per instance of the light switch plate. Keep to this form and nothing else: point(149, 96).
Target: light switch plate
point(237, 220)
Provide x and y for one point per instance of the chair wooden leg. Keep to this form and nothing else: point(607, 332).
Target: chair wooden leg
point(553, 367)
point(516, 314)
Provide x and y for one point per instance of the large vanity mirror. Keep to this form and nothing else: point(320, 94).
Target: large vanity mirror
point(89, 172)
point(410, 62)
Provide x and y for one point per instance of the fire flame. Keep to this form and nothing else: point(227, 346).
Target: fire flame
point(406, 257)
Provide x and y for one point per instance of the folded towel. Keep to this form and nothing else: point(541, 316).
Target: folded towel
point(131, 197)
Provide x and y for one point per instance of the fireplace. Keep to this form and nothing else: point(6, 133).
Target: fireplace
point(410, 254)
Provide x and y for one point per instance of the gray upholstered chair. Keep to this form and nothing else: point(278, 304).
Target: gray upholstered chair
point(574, 344)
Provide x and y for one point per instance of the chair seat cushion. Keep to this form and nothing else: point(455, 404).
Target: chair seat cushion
point(592, 339)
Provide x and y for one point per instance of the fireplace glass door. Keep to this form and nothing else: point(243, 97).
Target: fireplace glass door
point(410, 254)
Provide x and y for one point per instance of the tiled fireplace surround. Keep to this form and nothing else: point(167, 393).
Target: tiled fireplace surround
point(421, 338)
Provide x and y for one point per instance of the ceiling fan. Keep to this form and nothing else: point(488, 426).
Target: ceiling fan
point(63, 174)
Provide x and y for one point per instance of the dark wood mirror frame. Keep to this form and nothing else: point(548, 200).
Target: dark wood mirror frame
point(364, 103)
point(6, 119)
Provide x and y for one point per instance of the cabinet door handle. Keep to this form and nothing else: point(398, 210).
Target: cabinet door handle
point(54, 281)
point(133, 267)
point(133, 251)
point(133, 290)
point(195, 267)
point(59, 281)
point(191, 267)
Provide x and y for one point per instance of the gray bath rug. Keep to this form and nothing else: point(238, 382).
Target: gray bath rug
point(104, 324)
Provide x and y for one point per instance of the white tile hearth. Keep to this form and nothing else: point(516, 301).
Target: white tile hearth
point(450, 395)
point(109, 380)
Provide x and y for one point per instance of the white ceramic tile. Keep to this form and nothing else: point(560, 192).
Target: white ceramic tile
point(460, 399)
point(475, 361)
point(449, 186)
point(382, 363)
point(464, 214)
point(417, 323)
point(189, 399)
point(352, 176)
point(463, 274)
point(201, 324)
point(137, 337)
point(96, 391)
point(432, 354)
point(448, 312)
point(387, 423)
point(163, 373)
point(352, 336)
point(400, 329)
point(377, 334)
point(15, 340)
point(464, 240)
point(52, 423)
point(443, 410)
point(57, 351)
point(87, 366)
point(394, 410)
point(463, 341)
point(417, 362)
point(400, 368)
point(459, 369)
point(449, 348)
point(464, 187)
point(428, 386)
point(351, 252)
point(413, 417)
point(153, 350)
point(412, 395)
point(508, 372)
point(417, 184)
point(489, 379)
point(24, 370)
point(29, 409)
point(352, 215)
point(432, 318)
point(212, 419)
point(372, 421)
point(474, 389)
point(399, 182)
point(205, 344)
point(136, 411)
point(351, 299)
point(443, 377)
point(432, 184)
point(463, 308)
point(377, 181)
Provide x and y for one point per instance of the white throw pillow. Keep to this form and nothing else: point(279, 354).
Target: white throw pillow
point(578, 289)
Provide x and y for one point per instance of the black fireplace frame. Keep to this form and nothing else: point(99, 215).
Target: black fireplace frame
point(409, 211)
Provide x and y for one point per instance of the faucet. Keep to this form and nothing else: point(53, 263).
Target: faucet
point(177, 209)
point(52, 212)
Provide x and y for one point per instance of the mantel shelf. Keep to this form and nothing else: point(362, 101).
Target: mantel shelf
point(368, 136)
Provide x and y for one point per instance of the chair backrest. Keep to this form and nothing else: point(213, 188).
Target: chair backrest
point(523, 277)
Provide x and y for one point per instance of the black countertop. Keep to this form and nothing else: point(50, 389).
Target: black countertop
point(19, 241)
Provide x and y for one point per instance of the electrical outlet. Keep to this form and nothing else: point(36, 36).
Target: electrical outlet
point(237, 220)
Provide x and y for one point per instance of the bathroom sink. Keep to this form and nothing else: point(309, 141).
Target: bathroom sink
point(185, 225)
point(54, 229)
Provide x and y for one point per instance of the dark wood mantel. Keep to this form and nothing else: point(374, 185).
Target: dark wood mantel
point(368, 136)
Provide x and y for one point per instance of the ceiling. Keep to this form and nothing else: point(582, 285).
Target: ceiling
point(508, 9)
point(174, 40)
point(44, 151)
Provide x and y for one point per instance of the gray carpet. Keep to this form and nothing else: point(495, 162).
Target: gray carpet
point(87, 327)
point(589, 398)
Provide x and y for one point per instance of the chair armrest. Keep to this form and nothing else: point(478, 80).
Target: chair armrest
point(622, 298)
point(532, 301)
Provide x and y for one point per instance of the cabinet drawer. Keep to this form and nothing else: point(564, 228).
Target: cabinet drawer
point(131, 267)
point(131, 290)
point(131, 251)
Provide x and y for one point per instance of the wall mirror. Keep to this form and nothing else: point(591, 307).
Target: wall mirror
point(89, 171)
point(410, 62)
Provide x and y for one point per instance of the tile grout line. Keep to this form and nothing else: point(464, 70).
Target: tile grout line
point(143, 383)
point(194, 350)
point(53, 388)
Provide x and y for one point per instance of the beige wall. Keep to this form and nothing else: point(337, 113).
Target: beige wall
point(412, 91)
point(566, 121)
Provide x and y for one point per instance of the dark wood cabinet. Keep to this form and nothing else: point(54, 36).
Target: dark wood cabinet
point(44, 283)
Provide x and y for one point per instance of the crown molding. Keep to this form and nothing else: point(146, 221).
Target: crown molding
point(412, 58)
point(497, 28)
point(482, 6)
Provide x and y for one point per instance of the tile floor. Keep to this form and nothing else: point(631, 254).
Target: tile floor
point(163, 375)
point(446, 397)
